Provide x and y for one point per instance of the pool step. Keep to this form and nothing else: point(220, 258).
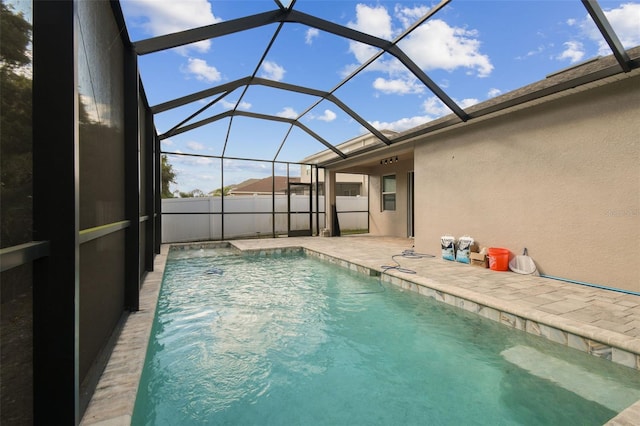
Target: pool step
point(578, 380)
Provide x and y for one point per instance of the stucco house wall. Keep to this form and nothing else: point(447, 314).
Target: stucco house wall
point(561, 178)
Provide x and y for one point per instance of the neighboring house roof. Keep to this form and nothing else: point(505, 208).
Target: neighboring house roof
point(263, 186)
point(245, 183)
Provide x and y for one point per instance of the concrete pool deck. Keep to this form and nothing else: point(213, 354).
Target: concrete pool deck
point(601, 322)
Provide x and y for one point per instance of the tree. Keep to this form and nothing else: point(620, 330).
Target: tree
point(221, 191)
point(192, 194)
point(16, 35)
point(168, 176)
point(16, 216)
point(16, 159)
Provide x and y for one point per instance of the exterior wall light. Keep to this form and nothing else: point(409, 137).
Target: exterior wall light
point(390, 160)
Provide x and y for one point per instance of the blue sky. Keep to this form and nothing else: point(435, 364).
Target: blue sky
point(473, 50)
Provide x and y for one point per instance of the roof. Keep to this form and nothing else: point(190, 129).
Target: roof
point(579, 77)
point(564, 80)
point(264, 186)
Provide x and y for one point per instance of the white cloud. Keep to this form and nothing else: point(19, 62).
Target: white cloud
point(399, 86)
point(206, 178)
point(204, 161)
point(374, 20)
point(402, 124)
point(493, 92)
point(189, 160)
point(244, 105)
point(166, 17)
point(311, 34)
point(625, 22)
point(195, 146)
point(348, 69)
point(232, 104)
point(408, 15)
point(288, 112)
point(433, 107)
point(166, 142)
point(225, 104)
point(436, 45)
point(467, 102)
point(272, 71)
point(370, 20)
point(571, 22)
point(201, 70)
point(574, 51)
point(534, 52)
point(328, 116)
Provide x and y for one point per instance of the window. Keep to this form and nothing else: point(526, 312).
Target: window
point(389, 192)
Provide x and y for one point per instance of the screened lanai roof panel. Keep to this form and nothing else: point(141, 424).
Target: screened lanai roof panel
point(474, 54)
point(238, 170)
point(206, 140)
point(175, 73)
point(270, 101)
point(146, 19)
point(301, 52)
point(387, 96)
point(255, 138)
point(278, 102)
point(330, 121)
point(470, 51)
point(299, 145)
point(195, 173)
point(185, 115)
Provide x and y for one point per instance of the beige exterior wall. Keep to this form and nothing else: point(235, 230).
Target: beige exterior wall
point(561, 178)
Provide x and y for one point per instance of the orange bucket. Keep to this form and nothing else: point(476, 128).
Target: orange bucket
point(498, 259)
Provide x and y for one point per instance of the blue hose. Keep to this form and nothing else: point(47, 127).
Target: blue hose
point(619, 290)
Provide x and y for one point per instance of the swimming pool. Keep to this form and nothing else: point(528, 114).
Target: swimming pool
point(293, 340)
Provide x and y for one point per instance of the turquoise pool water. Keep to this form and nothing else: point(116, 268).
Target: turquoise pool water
point(291, 340)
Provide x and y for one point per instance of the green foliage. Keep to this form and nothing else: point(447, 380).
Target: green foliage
point(221, 191)
point(16, 159)
point(168, 176)
point(192, 194)
point(14, 37)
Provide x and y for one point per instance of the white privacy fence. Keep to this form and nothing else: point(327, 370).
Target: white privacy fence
point(200, 218)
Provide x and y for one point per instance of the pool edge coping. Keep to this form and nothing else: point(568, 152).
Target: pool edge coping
point(113, 400)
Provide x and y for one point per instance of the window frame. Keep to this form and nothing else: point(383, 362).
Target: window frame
point(384, 194)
